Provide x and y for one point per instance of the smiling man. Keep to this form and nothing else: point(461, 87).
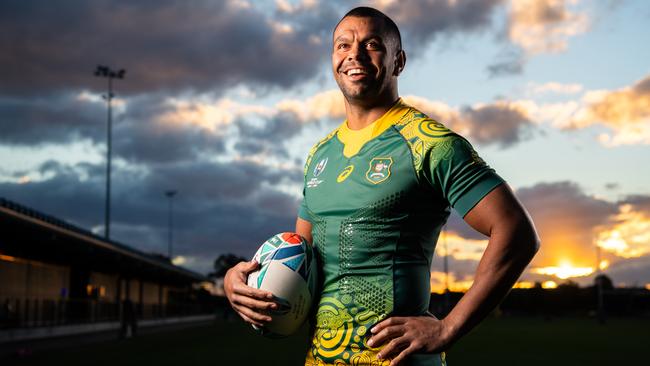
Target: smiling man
point(378, 190)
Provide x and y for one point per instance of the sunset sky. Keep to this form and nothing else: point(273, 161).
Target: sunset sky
point(223, 99)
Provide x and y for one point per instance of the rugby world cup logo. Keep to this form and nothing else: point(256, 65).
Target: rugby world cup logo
point(379, 170)
point(320, 167)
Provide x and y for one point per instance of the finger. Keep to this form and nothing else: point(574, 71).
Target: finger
point(245, 290)
point(393, 347)
point(249, 267)
point(252, 303)
point(386, 323)
point(386, 334)
point(402, 355)
point(249, 320)
point(253, 315)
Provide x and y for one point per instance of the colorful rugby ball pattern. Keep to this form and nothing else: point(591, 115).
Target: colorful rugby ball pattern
point(287, 269)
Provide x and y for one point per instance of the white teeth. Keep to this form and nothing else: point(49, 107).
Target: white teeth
point(355, 72)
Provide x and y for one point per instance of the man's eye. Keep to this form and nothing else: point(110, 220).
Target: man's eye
point(372, 45)
point(341, 46)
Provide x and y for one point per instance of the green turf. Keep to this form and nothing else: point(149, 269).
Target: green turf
point(504, 341)
point(534, 341)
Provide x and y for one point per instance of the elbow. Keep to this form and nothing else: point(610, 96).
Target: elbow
point(536, 243)
point(527, 238)
point(533, 243)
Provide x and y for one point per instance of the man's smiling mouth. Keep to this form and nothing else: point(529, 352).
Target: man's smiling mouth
point(355, 71)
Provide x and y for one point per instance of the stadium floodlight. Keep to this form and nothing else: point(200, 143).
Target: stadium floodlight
point(106, 72)
point(170, 194)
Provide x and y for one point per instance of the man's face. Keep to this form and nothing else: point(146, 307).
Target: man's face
point(364, 58)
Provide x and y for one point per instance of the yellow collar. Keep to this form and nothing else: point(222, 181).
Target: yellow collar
point(353, 140)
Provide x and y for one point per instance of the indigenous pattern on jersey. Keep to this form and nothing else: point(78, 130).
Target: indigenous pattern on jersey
point(377, 205)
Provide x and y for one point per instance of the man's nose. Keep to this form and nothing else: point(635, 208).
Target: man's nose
point(357, 52)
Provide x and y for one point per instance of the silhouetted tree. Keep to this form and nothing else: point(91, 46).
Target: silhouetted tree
point(605, 282)
point(223, 263)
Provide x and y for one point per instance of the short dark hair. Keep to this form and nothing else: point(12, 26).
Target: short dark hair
point(368, 12)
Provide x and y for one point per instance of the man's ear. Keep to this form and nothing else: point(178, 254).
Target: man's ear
point(400, 62)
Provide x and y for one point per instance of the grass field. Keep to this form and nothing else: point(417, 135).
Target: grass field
point(503, 341)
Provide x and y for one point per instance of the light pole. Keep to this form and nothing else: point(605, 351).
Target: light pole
point(106, 72)
point(170, 194)
point(446, 268)
point(599, 288)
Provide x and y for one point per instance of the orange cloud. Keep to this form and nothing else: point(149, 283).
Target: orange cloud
point(630, 236)
point(328, 104)
point(554, 87)
point(209, 115)
point(460, 248)
point(455, 284)
point(214, 115)
point(544, 26)
point(625, 111)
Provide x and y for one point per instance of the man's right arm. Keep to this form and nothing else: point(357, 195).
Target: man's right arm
point(303, 228)
point(250, 303)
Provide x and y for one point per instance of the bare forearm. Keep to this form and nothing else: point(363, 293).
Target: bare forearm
point(507, 254)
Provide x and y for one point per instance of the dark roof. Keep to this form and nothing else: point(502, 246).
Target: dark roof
point(23, 213)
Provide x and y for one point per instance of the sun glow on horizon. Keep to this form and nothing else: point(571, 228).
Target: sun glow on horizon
point(524, 284)
point(549, 284)
point(565, 270)
point(437, 283)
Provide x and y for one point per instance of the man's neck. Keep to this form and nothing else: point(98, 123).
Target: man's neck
point(360, 115)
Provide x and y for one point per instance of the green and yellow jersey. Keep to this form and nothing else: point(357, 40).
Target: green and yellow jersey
point(377, 199)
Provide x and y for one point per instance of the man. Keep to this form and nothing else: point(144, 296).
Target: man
point(378, 190)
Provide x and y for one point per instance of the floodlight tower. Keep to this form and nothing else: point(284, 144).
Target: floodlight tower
point(107, 72)
point(599, 288)
point(446, 268)
point(170, 194)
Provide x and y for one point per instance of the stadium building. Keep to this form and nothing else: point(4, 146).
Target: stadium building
point(58, 279)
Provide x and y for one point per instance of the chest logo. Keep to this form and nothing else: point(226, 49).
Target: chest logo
point(320, 167)
point(379, 170)
point(345, 173)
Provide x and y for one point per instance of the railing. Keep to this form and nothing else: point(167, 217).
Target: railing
point(27, 313)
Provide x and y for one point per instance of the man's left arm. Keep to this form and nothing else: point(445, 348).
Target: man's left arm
point(512, 243)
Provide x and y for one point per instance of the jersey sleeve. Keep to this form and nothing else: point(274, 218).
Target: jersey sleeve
point(303, 212)
point(457, 172)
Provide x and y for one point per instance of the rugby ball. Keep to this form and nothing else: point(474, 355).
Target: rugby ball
point(287, 269)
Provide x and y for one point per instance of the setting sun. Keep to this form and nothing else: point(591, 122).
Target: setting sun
point(564, 270)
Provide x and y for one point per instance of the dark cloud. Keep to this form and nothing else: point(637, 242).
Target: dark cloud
point(171, 45)
point(138, 135)
point(503, 124)
point(457, 225)
point(73, 193)
point(631, 272)
point(639, 203)
point(200, 45)
point(143, 137)
point(269, 135)
point(249, 147)
point(282, 125)
point(422, 21)
point(219, 208)
point(55, 119)
point(506, 67)
point(459, 268)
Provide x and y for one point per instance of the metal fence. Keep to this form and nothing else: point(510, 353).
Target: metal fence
point(27, 313)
